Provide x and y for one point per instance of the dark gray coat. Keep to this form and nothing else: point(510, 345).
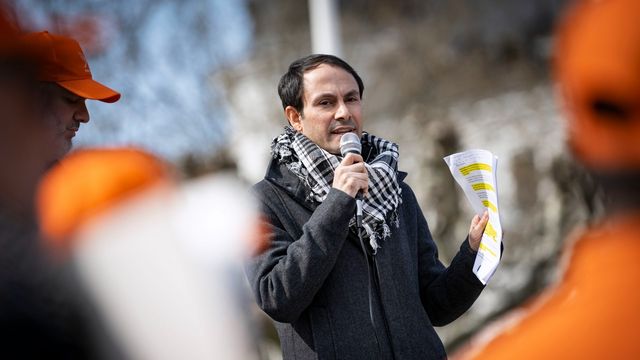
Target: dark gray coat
point(314, 282)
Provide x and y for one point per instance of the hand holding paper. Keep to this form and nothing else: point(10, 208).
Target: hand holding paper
point(475, 172)
point(478, 225)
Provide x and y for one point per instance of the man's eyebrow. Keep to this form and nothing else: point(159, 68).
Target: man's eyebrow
point(323, 96)
point(352, 93)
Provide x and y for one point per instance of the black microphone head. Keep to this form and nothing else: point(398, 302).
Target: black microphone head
point(350, 143)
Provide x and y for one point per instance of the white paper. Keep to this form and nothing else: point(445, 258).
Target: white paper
point(475, 172)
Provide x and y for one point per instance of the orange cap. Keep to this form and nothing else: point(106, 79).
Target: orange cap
point(61, 60)
point(597, 67)
point(88, 182)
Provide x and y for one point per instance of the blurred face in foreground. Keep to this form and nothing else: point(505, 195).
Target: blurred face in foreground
point(63, 111)
point(332, 107)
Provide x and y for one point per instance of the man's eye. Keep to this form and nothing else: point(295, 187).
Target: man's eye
point(73, 100)
point(325, 102)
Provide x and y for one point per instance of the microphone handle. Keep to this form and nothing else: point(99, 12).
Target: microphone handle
point(359, 201)
point(359, 197)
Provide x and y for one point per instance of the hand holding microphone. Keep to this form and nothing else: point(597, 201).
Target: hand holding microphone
point(351, 176)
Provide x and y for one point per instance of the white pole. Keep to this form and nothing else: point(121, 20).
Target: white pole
point(325, 27)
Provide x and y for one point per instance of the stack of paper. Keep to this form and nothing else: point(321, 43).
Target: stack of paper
point(475, 172)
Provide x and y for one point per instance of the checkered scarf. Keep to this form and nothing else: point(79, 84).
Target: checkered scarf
point(315, 168)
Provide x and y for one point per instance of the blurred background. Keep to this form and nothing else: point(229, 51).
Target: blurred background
point(199, 77)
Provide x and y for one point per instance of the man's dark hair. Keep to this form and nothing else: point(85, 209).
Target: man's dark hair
point(290, 87)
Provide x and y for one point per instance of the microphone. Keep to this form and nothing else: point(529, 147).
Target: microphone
point(350, 144)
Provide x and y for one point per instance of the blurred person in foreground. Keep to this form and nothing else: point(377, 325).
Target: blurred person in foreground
point(594, 311)
point(23, 136)
point(39, 315)
point(330, 295)
point(161, 261)
point(36, 318)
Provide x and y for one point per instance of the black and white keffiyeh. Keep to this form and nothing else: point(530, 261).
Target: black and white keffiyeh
point(315, 167)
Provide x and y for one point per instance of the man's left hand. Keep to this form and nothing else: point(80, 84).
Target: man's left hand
point(477, 229)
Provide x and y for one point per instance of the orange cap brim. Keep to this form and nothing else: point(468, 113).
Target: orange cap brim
point(90, 89)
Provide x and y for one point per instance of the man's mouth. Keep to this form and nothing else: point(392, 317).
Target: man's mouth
point(342, 130)
point(71, 131)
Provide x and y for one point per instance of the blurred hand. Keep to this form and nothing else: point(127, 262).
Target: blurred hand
point(477, 229)
point(351, 176)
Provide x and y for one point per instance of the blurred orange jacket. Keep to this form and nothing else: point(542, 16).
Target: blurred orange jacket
point(593, 313)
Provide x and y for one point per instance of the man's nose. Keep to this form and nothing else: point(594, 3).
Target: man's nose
point(342, 113)
point(82, 113)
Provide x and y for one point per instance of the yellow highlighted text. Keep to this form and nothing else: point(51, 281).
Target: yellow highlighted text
point(485, 248)
point(465, 170)
point(482, 186)
point(491, 232)
point(488, 204)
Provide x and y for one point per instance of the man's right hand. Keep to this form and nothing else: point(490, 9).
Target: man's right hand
point(351, 176)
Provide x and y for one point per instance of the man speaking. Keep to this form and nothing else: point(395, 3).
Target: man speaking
point(338, 288)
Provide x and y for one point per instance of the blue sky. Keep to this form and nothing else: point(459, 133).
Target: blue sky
point(161, 55)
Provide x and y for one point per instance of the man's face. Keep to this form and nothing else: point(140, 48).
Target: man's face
point(64, 111)
point(331, 107)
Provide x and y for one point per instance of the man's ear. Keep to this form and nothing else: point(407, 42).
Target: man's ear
point(294, 117)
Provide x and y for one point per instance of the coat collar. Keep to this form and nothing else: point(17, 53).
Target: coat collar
point(279, 175)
